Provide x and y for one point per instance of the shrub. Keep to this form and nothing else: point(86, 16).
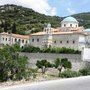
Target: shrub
point(31, 73)
point(85, 71)
point(31, 49)
point(60, 50)
point(69, 73)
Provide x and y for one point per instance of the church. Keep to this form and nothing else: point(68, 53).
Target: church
point(69, 35)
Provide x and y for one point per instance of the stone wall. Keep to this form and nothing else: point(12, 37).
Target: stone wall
point(75, 59)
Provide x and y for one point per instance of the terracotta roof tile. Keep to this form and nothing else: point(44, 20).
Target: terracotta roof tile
point(17, 35)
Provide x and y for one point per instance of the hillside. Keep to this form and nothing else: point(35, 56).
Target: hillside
point(83, 18)
point(23, 20)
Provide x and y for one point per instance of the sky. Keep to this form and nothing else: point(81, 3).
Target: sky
point(53, 7)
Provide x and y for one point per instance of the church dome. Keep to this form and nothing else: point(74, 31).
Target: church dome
point(70, 19)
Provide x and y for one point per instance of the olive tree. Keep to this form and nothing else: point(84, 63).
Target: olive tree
point(62, 63)
point(43, 64)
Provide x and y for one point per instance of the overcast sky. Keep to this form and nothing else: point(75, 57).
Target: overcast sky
point(53, 7)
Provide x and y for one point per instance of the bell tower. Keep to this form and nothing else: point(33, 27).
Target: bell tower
point(47, 40)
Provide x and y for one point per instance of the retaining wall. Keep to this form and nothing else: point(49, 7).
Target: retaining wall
point(75, 59)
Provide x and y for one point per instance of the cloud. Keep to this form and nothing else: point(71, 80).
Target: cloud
point(2, 2)
point(53, 11)
point(41, 6)
point(71, 11)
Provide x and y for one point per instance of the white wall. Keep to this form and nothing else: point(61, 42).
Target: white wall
point(68, 24)
point(35, 42)
point(7, 39)
point(82, 42)
point(86, 54)
point(64, 38)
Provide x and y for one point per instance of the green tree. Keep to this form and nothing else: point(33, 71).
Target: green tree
point(12, 65)
point(43, 64)
point(62, 63)
point(65, 63)
point(14, 30)
point(5, 26)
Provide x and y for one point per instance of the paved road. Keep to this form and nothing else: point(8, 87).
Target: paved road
point(81, 83)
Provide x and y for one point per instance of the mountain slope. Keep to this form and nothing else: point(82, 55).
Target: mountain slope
point(27, 20)
point(83, 18)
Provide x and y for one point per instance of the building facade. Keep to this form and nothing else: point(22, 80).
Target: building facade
point(9, 39)
point(69, 35)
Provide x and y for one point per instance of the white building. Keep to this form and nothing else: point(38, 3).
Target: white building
point(9, 39)
point(69, 35)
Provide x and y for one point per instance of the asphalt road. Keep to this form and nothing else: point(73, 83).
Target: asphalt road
point(80, 83)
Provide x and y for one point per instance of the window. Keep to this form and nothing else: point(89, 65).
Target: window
point(54, 41)
point(3, 38)
point(32, 40)
point(49, 46)
point(60, 41)
point(26, 41)
point(19, 40)
point(73, 42)
point(6, 39)
point(22, 47)
point(22, 41)
point(64, 25)
point(38, 40)
point(67, 41)
point(15, 40)
point(70, 25)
